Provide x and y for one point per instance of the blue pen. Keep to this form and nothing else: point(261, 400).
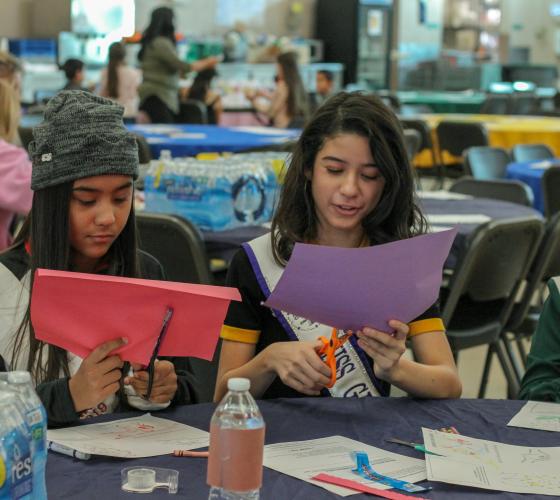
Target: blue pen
point(65, 450)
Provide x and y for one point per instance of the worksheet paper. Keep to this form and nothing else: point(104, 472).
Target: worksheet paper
point(305, 459)
point(538, 415)
point(494, 466)
point(144, 436)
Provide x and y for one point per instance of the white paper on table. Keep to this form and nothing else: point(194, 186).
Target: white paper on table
point(538, 415)
point(156, 128)
point(492, 465)
point(544, 164)
point(305, 459)
point(187, 135)
point(157, 140)
point(261, 130)
point(442, 219)
point(442, 195)
point(144, 436)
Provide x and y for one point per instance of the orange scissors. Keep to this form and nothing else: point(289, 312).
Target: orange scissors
point(329, 348)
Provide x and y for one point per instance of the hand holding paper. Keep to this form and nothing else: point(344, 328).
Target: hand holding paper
point(78, 312)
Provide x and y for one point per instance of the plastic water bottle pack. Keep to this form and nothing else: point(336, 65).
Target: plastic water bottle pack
point(218, 194)
point(236, 445)
point(23, 427)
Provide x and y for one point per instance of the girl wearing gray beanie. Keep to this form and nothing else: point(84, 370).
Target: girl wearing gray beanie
point(82, 219)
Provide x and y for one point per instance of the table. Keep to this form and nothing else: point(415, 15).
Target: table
point(531, 174)
point(504, 131)
point(224, 244)
point(189, 140)
point(369, 420)
point(445, 102)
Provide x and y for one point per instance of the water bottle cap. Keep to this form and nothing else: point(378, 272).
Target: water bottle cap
point(239, 384)
point(19, 377)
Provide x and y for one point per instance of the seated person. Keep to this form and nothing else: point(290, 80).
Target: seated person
point(542, 378)
point(74, 71)
point(201, 91)
point(323, 86)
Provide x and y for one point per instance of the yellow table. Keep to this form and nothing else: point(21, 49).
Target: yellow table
point(504, 131)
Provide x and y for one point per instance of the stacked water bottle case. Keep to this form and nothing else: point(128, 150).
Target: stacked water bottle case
point(218, 194)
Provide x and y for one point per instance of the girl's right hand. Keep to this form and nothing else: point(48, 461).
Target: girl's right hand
point(98, 376)
point(299, 366)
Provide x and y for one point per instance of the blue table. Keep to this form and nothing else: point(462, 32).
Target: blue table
point(369, 420)
point(528, 173)
point(189, 140)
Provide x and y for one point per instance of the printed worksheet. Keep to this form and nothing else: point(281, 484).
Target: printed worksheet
point(538, 415)
point(305, 459)
point(144, 436)
point(492, 465)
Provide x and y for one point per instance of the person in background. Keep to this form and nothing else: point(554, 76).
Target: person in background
point(10, 69)
point(162, 68)
point(287, 106)
point(74, 71)
point(201, 91)
point(349, 184)
point(323, 85)
point(120, 82)
point(15, 167)
point(541, 381)
point(82, 220)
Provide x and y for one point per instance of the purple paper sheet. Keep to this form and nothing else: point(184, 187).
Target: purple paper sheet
point(349, 288)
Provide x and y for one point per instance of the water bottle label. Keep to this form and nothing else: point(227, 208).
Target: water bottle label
point(34, 417)
point(18, 471)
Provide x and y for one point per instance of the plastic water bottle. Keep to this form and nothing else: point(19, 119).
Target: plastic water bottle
point(236, 445)
point(36, 419)
point(16, 467)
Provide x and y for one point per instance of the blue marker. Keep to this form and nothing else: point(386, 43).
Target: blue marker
point(65, 450)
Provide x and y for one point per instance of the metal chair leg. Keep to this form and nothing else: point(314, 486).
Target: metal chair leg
point(486, 372)
point(511, 377)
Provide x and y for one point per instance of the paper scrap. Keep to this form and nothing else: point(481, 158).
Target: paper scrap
point(491, 465)
point(78, 311)
point(538, 415)
point(305, 459)
point(349, 288)
point(144, 436)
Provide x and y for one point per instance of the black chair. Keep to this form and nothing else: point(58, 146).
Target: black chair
point(506, 190)
point(390, 100)
point(524, 104)
point(481, 291)
point(550, 184)
point(486, 163)
point(455, 138)
point(412, 142)
point(144, 151)
point(498, 104)
point(425, 143)
point(526, 311)
point(193, 111)
point(26, 136)
point(177, 244)
point(531, 152)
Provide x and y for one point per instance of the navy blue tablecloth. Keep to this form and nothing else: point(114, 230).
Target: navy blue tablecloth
point(532, 176)
point(369, 420)
point(189, 140)
point(224, 243)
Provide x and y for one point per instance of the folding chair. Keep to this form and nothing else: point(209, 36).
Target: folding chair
point(498, 104)
point(486, 163)
point(193, 111)
point(425, 144)
point(482, 288)
point(412, 142)
point(506, 190)
point(531, 152)
point(550, 184)
point(523, 104)
point(454, 138)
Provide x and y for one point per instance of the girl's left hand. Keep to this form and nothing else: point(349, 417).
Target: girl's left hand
point(385, 349)
point(165, 381)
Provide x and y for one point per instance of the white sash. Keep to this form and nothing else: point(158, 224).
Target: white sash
point(354, 376)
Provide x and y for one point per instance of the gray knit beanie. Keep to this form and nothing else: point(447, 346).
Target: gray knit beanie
point(81, 135)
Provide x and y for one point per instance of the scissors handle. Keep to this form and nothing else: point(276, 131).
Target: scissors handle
point(328, 351)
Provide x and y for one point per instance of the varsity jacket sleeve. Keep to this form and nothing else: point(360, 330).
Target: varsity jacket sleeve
point(542, 379)
point(56, 398)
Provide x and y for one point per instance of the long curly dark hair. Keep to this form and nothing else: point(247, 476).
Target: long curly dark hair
point(161, 24)
point(395, 217)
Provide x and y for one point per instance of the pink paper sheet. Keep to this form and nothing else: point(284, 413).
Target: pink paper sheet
point(78, 311)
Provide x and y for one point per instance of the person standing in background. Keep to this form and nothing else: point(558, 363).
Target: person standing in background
point(74, 71)
point(120, 82)
point(162, 68)
point(288, 105)
point(15, 167)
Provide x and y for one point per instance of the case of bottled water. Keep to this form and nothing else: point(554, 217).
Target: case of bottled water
point(217, 194)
